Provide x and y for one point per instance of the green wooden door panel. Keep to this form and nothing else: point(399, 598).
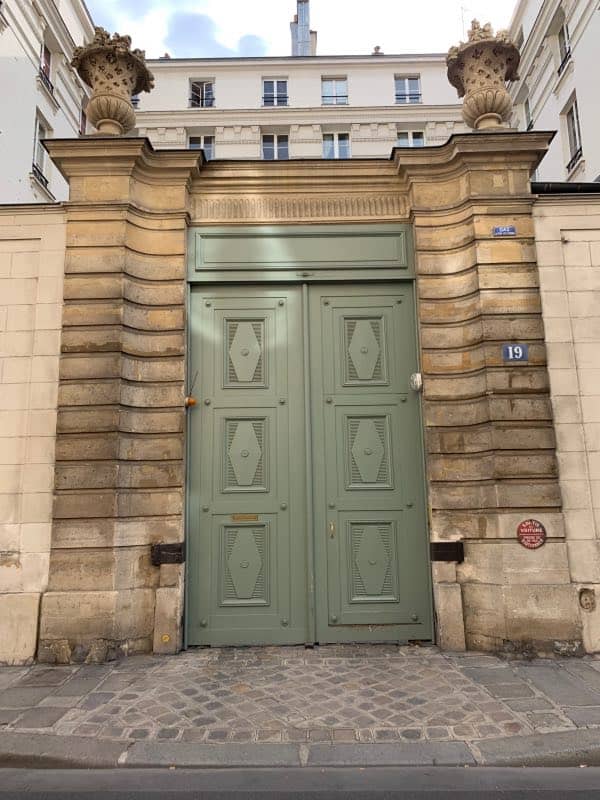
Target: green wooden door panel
point(258, 510)
point(247, 527)
point(371, 562)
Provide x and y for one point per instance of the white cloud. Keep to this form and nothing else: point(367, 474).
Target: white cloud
point(344, 26)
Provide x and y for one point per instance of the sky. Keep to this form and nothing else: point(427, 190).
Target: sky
point(224, 28)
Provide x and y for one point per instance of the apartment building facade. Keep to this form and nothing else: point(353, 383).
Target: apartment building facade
point(557, 89)
point(300, 106)
point(45, 95)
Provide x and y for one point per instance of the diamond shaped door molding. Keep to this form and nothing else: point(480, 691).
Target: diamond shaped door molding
point(244, 564)
point(368, 451)
point(364, 350)
point(244, 453)
point(244, 352)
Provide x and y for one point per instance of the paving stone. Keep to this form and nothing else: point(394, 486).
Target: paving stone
point(80, 685)
point(546, 721)
point(563, 687)
point(40, 718)
point(23, 698)
point(584, 672)
point(7, 715)
point(529, 704)
point(97, 699)
point(583, 716)
point(46, 676)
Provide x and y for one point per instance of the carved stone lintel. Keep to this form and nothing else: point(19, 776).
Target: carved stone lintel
point(115, 73)
point(479, 69)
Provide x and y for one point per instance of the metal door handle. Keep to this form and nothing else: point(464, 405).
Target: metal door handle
point(332, 530)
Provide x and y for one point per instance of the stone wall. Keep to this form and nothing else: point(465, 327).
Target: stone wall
point(489, 431)
point(32, 248)
point(120, 435)
point(567, 232)
point(120, 450)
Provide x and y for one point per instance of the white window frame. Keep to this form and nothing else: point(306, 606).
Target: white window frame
point(403, 94)
point(278, 146)
point(564, 47)
point(202, 98)
point(207, 147)
point(334, 136)
point(42, 131)
point(411, 137)
point(339, 94)
point(573, 135)
point(278, 98)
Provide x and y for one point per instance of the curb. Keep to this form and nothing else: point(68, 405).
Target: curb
point(47, 751)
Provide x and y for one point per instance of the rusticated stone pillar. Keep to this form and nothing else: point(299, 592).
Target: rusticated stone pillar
point(490, 437)
point(120, 445)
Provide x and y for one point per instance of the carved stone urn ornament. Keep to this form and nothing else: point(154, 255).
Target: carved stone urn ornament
point(479, 69)
point(115, 73)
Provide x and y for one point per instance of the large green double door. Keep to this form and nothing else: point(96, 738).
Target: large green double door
point(306, 500)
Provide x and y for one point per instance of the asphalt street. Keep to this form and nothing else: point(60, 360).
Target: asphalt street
point(302, 784)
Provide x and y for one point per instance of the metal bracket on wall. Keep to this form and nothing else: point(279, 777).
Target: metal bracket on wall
point(448, 551)
point(167, 554)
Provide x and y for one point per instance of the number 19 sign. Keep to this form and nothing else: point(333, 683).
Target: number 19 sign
point(515, 352)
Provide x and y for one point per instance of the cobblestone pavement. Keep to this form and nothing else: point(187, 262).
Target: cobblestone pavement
point(291, 694)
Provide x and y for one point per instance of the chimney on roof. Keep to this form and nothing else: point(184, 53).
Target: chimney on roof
point(304, 41)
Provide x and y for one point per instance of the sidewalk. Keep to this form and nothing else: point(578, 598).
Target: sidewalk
point(291, 706)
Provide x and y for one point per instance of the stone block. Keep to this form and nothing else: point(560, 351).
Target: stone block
point(81, 505)
point(541, 613)
point(569, 438)
point(87, 447)
point(159, 369)
point(484, 611)
point(94, 420)
point(91, 569)
point(558, 329)
point(82, 617)
point(450, 634)
point(168, 617)
point(579, 524)
point(18, 627)
point(576, 494)
point(584, 560)
point(142, 503)
point(92, 365)
point(92, 313)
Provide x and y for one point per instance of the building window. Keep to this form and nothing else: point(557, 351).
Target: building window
point(336, 145)
point(42, 132)
point(82, 123)
point(528, 117)
point(410, 139)
point(275, 147)
point(408, 89)
point(275, 92)
point(202, 94)
point(334, 91)
point(206, 143)
point(574, 133)
point(45, 67)
point(564, 48)
point(135, 100)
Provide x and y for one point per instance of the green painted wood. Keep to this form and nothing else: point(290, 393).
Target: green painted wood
point(281, 249)
point(371, 560)
point(247, 515)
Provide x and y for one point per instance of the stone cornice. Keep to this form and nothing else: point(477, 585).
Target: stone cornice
point(213, 117)
point(95, 155)
point(487, 150)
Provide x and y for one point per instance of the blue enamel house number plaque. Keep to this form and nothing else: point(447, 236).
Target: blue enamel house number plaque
point(505, 230)
point(515, 352)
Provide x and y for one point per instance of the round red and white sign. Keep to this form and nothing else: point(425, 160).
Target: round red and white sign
point(531, 534)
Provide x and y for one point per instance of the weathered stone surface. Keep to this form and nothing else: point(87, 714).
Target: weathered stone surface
point(18, 623)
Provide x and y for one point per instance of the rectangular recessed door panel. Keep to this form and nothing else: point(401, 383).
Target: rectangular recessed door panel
point(371, 561)
point(247, 498)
